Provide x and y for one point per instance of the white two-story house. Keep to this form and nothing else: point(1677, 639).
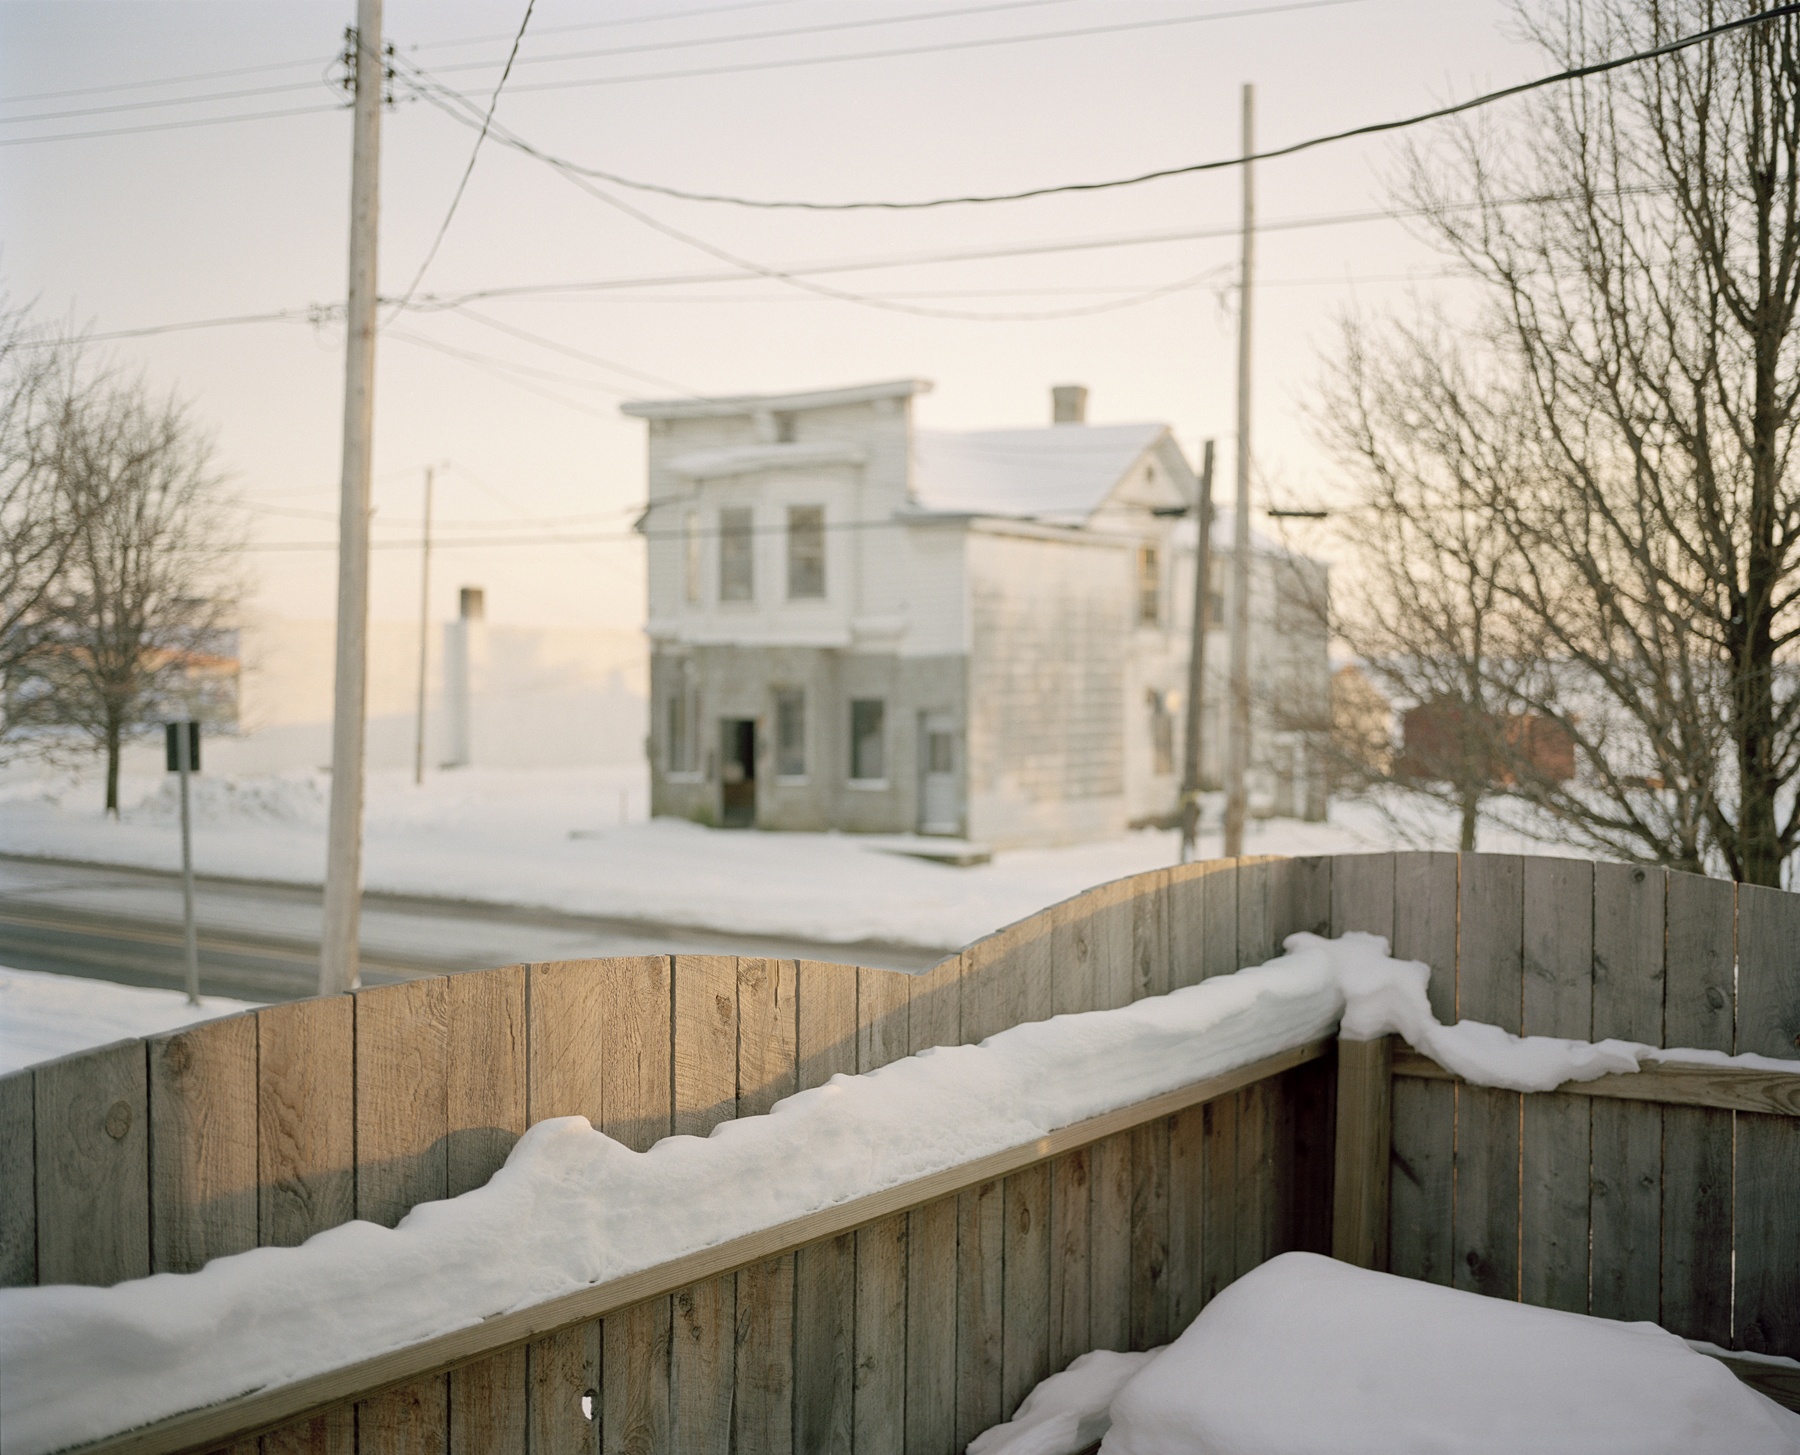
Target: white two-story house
point(862, 626)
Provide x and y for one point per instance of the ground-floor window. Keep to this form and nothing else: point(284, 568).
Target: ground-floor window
point(790, 732)
point(682, 743)
point(868, 758)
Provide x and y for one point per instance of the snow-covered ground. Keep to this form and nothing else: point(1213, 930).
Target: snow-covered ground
point(46, 1016)
point(1306, 1354)
point(573, 1207)
point(577, 840)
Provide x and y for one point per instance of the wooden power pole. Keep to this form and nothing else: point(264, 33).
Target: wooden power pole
point(338, 942)
point(1237, 736)
point(1196, 685)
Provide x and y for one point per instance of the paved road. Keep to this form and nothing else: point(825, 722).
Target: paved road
point(260, 941)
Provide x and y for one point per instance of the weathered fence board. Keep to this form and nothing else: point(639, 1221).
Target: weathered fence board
point(1767, 1269)
point(916, 1329)
point(1627, 1149)
point(1699, 1010)
point(93, 1164)
point(202, 1143)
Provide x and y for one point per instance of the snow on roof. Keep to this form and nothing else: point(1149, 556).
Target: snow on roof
point(738, 404)
point(1057, 473)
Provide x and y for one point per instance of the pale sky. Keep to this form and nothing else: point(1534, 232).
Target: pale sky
point(248, 217)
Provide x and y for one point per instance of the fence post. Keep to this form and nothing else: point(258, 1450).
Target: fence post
point(1359, 1224)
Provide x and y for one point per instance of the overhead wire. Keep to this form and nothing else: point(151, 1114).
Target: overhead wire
point(615, 23)
point(468, 171)
point(1375, 128)
point(19, 141)
point(167, 80)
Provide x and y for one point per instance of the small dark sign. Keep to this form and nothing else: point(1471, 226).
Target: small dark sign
point(173, 742)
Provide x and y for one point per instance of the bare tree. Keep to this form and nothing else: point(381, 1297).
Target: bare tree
point(145, 591)
point(1642, 319)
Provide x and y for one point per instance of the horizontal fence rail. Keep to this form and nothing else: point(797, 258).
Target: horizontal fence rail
point(913, 1330)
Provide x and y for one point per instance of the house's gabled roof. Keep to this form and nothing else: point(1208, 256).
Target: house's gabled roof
point(742, 404)
point(1059, 474)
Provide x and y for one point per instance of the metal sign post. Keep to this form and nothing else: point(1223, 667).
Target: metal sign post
point(184, 758)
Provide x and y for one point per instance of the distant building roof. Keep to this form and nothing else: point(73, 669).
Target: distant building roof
point(1060, 473)
point(740, 404)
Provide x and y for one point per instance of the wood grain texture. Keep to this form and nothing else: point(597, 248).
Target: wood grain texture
point(1489, 987)
point(488, 1405)
point(202, 1143)
point(18, 1182)
point(1421, 1187)
point(563, 1392)
point(1219, 907)
point(703, 1327)
point(1308, 896)
point(932, 1356)
point(1185, 916)
point(825, 1274)
point(934, 1006)
point(768, 1060)
point(1073, 955)
point(1259, 876)
point(980, 1308)
point(702, 1367)
point(1150, 967)
point(1070, 1291)
point(1362, 894)
point(1670, 1083)
point(332, 1433)
point(883, 1031)
point(1218, 1232)
point(1627, 1140)
point(1109, 1242)
point(1111, 928)
point(1255, 1184)
point(566, 1010)
point(1556, 1132)
point(485, 1085)
point(1766, 1306)
point(93, 1166)
point(1007, 978)
point(1359, 1231)
point(1187, 1207)
point(637, 1110)
point(1699, 1011)
point(411, 1420)
point(879, 1378)
point(229, 1420)
point(1149, 1312)
point(1025, 1291)
point(402, 1098)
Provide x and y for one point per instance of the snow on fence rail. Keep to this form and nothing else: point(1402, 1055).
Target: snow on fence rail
point(928, 1320)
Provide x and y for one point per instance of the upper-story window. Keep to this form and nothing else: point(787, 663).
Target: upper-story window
point(690, 554)
point(784, 427)
point(1149, 583)
point(806, 551)
point(737, 556)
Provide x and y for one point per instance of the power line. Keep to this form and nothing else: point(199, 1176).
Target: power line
point(165, 101)
point(1574, 73)
point(936, 48)
point(613, 24)
point(167, 80)
point(19, 141)
point(469, 170)
point(574, 353)
point(560, 57)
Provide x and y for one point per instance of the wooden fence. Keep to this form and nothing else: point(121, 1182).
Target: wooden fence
point(911, 1329)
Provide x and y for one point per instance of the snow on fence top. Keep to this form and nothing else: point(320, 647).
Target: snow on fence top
point(273, 1127)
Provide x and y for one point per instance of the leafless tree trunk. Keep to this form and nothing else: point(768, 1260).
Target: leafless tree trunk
point(1642, 318)
point(146, 589)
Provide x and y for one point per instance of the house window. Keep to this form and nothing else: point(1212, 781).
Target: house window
point(806, 551)
point(868, 761)
point(737, 574)
point(1149, 580)
point(784, 427)
point(691, 554)
point(790, 732)
point(683, 720)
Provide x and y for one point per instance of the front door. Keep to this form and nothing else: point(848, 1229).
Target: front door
point(737, 772)
point(938, 807)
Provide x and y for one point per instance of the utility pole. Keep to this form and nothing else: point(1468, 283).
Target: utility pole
point(184, 758)
point(1237, 737)
point(338, 941)
point(1190, 778)
point(424, 630)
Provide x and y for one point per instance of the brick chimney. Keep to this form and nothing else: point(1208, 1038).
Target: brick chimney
point(1068, 404)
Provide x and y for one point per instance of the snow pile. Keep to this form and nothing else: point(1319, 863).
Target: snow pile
point(301, 797)
point(572, 1207)
point(1068, 1411)
point(1307, 1354)
point(46, 1016)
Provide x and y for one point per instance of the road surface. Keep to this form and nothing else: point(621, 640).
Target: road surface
point(260, 941)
